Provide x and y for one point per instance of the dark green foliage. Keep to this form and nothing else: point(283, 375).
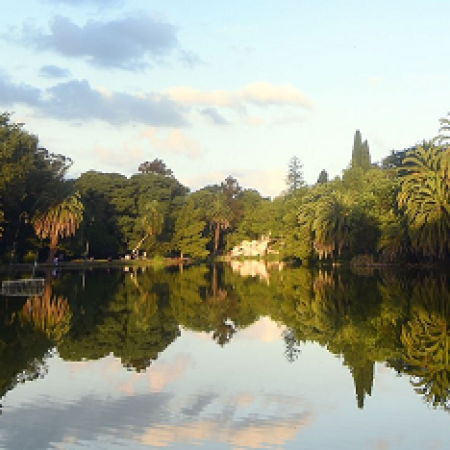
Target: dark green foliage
point(323, 177)
point(156, 166)
point(360, 153)
point(31, 179)
point(188, 237)
point(117, 204)
point(425, 198)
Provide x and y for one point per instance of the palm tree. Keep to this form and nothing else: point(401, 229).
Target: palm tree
point(394, 239)
point(426, 341)
point(49, 314)
point(331, 227)
point(425, 199)
point(59, 220)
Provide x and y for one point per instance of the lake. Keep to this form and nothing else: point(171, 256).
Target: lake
point(236, 356)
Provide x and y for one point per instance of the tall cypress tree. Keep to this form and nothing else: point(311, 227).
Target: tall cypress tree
point(323, 177)
point(365, 156)
point(360, 153)
point(357, 150)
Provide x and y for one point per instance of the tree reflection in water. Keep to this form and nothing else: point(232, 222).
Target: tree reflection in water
point(426, 340)
point(381, 317)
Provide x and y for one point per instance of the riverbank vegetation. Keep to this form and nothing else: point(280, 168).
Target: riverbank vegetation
point(395, 210)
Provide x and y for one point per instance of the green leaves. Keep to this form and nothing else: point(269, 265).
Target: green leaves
point(60, 220)
point(331, 227)
point(360, 153)
point(425, 199)
point(188, 238)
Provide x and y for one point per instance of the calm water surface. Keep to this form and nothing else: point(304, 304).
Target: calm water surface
point(224, 357)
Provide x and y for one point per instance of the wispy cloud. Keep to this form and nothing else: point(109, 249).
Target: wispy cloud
point(172, 141)
point(262, 94)
point(148, 144)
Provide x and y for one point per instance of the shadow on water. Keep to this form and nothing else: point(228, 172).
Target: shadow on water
point(399, 319)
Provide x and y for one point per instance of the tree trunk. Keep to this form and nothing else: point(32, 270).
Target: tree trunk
point(52, 249)
point(216, 238)
point(140, 243)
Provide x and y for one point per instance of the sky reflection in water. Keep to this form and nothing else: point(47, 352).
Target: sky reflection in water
point(245, 394)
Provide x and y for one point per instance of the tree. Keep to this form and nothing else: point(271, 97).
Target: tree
point(150, 222)
point(219, 217)
point(214, 208)
point(157, 166)
point(426, 341)
point(29, 175)
point(357, 149)
point(323, 177)
point(294, 178)
point(360, 153)
point(331, 227)
point(188, 238)
point(232, 193)
point(425, 199)
point(230, 188)
point(17, 158)
point(61, 219)
point(365, 156)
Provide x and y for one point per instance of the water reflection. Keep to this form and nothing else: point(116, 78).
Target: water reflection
point(399, 320)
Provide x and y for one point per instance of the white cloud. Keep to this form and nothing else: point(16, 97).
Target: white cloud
point(269, 182)
point(260, 94)
point(255, 121)
point(265, 94)
point(125, 160)
point(146, 145)
point(172, 141)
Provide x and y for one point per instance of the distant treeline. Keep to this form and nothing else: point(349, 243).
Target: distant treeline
point(397, 210)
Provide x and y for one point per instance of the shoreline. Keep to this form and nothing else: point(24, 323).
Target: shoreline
point(173, 262)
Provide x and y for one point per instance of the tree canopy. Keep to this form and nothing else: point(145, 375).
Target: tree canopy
point(397, 210)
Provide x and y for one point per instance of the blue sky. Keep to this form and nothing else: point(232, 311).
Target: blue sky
point(225, 87)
